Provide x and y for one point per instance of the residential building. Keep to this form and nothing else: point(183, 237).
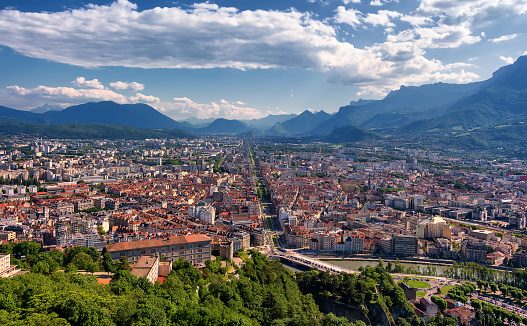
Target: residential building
point(195, 248)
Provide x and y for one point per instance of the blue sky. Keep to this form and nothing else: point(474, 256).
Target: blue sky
point(245, 59)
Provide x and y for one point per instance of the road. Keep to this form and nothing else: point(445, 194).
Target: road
point(512, 308)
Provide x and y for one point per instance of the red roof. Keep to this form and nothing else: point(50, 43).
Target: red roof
point(153, 243)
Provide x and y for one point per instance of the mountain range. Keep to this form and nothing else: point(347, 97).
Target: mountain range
point(300, 124)
point(440, 110)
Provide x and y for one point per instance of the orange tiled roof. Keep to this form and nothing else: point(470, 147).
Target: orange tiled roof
point(151, 243)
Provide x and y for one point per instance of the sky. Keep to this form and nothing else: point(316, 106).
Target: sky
point(245, 59)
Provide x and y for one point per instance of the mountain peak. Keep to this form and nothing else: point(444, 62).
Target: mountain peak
point(306, 113)
point(46, 108)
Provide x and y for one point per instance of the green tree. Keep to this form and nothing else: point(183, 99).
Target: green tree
point(440, 302)
point(83, 261)
point(332, 320)
point(26, 248)
point(107, 263)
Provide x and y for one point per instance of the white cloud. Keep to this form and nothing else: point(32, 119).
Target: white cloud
point(184, 107)
point(203, 36)
point(376, 3)
point(441, 36)
point(134, 86)
point(416, 20)
point(382, 18)
point(21, 97)
point(503, 38)
point(507, 60)
point(141, 98)
point(473, 8)
point(347, 2)
point(179, 108)
point(83, 82)
point(88, 91)
point(209, 36)
point(349, 16)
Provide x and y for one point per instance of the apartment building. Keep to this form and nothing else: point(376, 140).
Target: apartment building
point(195, 248)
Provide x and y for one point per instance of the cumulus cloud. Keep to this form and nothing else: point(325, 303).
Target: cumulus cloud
point(83, 82)
point(21, 97)
point(349, 16)
point(133, 86)
point(185, 107)
point(503, 38)
point(441, 36)
point(206, 35)
point(416, 20)
point(473, 8)
point(178, 108)
point(87, 91)
point(142, 98)
point(203, 36)
point(382, 18)
point(507, 60)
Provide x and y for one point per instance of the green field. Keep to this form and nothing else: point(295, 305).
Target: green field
point(418, 284)
point(420, 294)
point(445, 289)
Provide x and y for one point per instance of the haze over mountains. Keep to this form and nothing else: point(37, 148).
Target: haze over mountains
point(448, 110)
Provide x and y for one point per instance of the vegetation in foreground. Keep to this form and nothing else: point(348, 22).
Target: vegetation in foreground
point(262, 292)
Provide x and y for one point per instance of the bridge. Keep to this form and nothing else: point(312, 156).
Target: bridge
point(307, 262)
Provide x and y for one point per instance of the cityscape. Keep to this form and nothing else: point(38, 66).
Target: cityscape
point(354, 170)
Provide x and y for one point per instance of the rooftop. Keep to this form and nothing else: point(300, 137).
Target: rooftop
point(152, 243)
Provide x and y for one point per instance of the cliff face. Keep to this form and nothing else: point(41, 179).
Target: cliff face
point(374, 314)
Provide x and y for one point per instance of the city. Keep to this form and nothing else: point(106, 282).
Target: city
point(263, 163)
point(435, 219)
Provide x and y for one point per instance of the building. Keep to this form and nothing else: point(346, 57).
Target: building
point(224, 248)
point(482, 234)
point(206, 214)
point(151, 268)
point(436, 227)
point(405, 245)
point(472, 250)
point(195, 248)
point(520, 258)
point(82, 205)
point(7, 235)
point(409, 292)
point(428, 307)
point(351, 244)
point(495, 258)
point(463, 314)
point(5, 263)
point(385, 244)
point(6, 269)
point(148, 267)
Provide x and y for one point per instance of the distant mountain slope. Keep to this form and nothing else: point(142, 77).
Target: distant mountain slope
point(98, 131)
point(223, 126)
point(197, 123)
point(46, 108)
point(268, 121)
point(348, 134)
point(300, 124)
point(24, 116)
point(415, 102)
point(111, 113)
point(502, 98)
